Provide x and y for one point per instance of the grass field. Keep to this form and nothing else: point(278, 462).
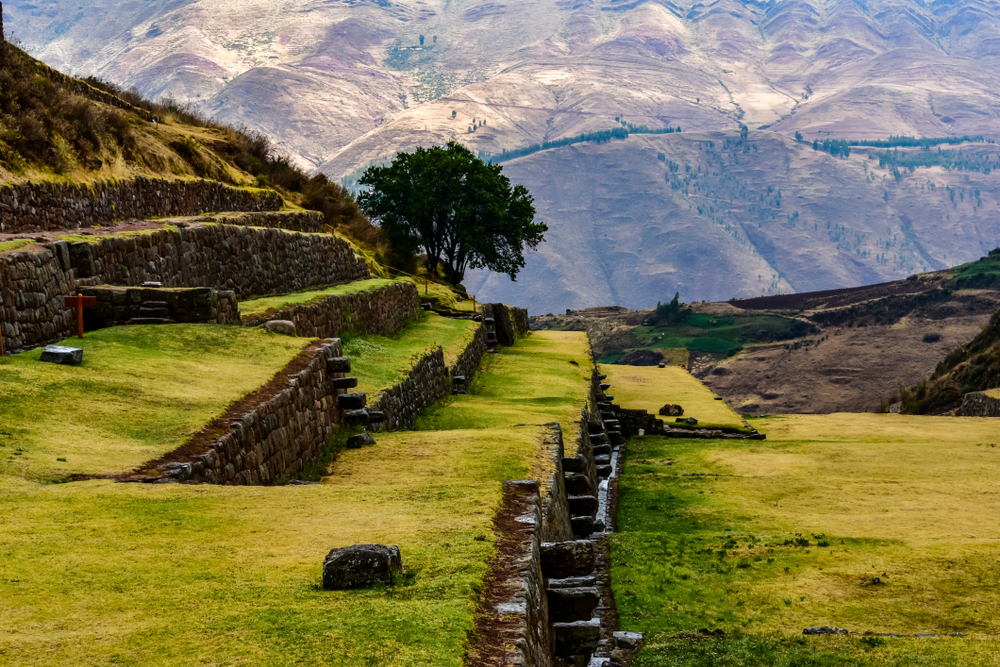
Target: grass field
point(380, 362)
point(650, 388)
point(794, 529)
point(140, 393)
point(271, 304)
point(99, 573)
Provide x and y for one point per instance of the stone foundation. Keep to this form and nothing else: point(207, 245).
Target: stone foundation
point(425, 384)
point(121, 305)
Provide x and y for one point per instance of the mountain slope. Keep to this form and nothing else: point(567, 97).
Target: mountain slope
point(344, 84)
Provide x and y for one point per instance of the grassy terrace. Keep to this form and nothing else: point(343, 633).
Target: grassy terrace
point(380, 362)
point(650, 388)
point(140, 393)
point(101, 573)
point(272, 304)
point(792, 532)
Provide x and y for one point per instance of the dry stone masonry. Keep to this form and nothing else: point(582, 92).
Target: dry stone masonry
point(36, 207)
point(980, 404)
point(277, 438)
point(383, 311)
point(137, 305)
point(244, 260)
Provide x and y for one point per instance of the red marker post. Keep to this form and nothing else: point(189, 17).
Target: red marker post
point(80, 302)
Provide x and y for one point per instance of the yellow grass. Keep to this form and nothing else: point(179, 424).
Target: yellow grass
point(650, 388)
point(98, 573)
point(268, 304)
point(912, 500)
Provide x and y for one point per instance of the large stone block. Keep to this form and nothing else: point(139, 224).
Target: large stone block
point(567, 605)
point(567, 559)
point(583, 505)
point(360, 566)
point(59, 354)
point(579, 485)
point(579, 638)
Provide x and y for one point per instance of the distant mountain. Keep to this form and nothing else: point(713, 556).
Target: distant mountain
point(344, 84)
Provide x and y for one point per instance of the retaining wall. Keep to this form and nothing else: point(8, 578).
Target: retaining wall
point(275, 439)
point(245, 260)
point(52, 206)
point(383, 311)
point(120, 305)
point(32, 287)
point(978, 404)
point(468, 362)
point(425, 384)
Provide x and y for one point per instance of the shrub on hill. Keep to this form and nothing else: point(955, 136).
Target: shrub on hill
point(972, 367)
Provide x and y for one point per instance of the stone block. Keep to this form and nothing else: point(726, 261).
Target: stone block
point(286, 327)
point(567, 559)
point(352, 401)
point(360, 440)
point(578, 485)
point(583, 505)
point(575, 464)
point(338, 365)
point(579, 638)
point(567, 605)
point(345, 383)
point(602, 450)
point(604, 471)
point(583, 526)
point(59, 354)
point(573, 582)
point(357, 417)
point(360, 566)
point(599, 439)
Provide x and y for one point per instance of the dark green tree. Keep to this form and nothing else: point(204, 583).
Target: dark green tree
point(462, 212)
point(421, 40)
point(798, 136)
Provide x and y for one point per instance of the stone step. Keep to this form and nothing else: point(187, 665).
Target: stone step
point(352, 401)
point(151, 320)
point(155, 304)
point(162, 313)
point(345, 383)
point(567, 605)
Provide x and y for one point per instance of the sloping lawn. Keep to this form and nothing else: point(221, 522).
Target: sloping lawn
point(792, 533)
point(381, 362)
point(140, 393)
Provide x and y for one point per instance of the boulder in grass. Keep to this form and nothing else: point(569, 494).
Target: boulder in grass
point(360, 440)
point(286, 327)
point(671, 410)
point(59, 354)
point(361, 566)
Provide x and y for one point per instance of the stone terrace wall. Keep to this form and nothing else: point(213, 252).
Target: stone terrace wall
point(32, 286)
point(119, 305)
point(383, 311)
point(298, 221)
point(53, 206)
point(245, 260)
point(426, 383)
point(519, 320)
point(978, 404)
point(276, 439)
point(468, 362)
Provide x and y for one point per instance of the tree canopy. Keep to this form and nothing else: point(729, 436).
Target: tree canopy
point(461, 212)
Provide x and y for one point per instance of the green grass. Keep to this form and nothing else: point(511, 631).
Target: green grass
point(787, 536)
point(981, 274)
point(272, 304)
point(140, 393)
point(720, 334)
point(14, 244)
point(380, 362)
point(100, 573)
point(650, 388)
point(532, 382)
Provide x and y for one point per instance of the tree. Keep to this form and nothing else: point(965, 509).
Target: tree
point(670, 313)
point(453, 113)
point(421, 40)
point(798, 136)
point(460, 211)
